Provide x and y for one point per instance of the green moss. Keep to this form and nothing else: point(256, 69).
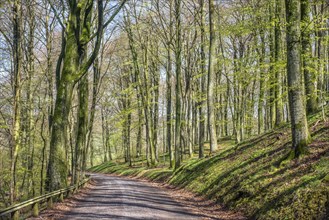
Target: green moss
point(301, 148)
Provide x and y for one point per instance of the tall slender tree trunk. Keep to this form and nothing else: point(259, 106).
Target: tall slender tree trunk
point(277, 68)
point(178, 58)
point(146, 103)
point(169, 109)
point(128, 124)
point(83, 97)
point(104, 133)
point(17, 57)
point(211, 80)
point(156, 81)
point(108, 147)
point(29, 95)
point(96, 81)
point(309, 76)
point(272, 76)
point(140, 128)
point(299, 127)
point(202, 87)
point(45, 132)
point(261, 84)
point(82, 127)
point(320, 50)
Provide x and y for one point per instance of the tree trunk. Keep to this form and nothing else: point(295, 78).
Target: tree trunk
point(72, 71)
point(272, 76)
point(169, 109)
point(105, 133)
point(178, 50)
point(82, 126)
point(17, 57)
point(140, 128)
point(146, 103)
point(128, 123)
point(309, 76)
point(211, 80)
point(96, 81)
point(202, 88)
point(299, 127)
point(155, 100)
point(83, 97)
point(261, 84)
point(277, 69)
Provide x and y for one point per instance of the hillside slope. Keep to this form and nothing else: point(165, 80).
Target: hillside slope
point(255, 176)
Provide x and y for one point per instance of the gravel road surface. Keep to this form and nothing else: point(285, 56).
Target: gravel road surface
point(112, 197)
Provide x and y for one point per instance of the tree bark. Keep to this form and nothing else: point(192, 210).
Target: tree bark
point(83, 98)
point(211, 80)
point(278, 69)
point(17, 57)
point(72, 71)
point(169, 109)
point(309, 76)
point(299, 127)
point(178, 58)
point(202, 87)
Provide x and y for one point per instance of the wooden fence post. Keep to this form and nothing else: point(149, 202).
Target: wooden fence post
point(15, 215)
point(35, 209)
point(50, 202)
point(61, 197)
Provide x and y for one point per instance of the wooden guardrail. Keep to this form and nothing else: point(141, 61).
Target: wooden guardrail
point(13, 212)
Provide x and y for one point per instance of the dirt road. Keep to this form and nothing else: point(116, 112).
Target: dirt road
point(114, 197)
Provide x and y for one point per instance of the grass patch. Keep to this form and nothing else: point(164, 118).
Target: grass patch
point(253, 176)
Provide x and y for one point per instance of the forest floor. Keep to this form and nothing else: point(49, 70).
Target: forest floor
point(254, 177)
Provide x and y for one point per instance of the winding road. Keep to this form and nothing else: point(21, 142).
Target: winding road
point(112, 197)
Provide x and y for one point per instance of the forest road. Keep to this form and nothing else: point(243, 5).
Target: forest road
point(113, 197)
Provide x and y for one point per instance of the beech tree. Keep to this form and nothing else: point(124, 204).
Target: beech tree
point(211, 80)
point(309, 76)
point(72, 71)
point(178, 51)
point(299, 126)
point(17, 75)
point(202, 82)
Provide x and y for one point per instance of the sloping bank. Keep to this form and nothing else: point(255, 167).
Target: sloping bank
point(254, 177)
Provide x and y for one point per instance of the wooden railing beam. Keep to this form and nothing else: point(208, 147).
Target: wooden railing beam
point(14, 211)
